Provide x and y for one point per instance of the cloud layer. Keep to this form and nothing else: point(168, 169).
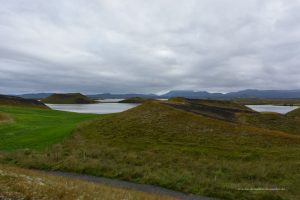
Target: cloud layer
point(148, 46)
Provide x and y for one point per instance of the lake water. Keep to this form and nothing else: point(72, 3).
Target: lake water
point(98, 108)
point(271, 108)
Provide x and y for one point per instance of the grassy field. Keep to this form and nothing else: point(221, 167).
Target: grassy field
point(158, 144)
point(36, 128)
point(16, 183)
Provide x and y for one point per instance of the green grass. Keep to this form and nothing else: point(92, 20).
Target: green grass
point(37, 128)
point(157, 144)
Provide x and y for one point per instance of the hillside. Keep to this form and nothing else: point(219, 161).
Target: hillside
point(158, 144)
point(70, 98)
point(21, 102)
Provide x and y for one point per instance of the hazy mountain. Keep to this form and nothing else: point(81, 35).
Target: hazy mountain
point(121, 96)
point(269, 94)
point(192, 94)
point(250, 93)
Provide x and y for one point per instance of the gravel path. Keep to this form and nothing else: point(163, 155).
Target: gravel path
point(127, 185)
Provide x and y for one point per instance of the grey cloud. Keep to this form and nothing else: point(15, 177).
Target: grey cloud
point(148, 46)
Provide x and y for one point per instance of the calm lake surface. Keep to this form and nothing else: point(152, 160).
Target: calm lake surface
point(98, 108)
point(271, 108)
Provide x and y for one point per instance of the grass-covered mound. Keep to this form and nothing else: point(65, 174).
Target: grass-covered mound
point(273, 121)
point(36, 128)
point(70, 98)
point(294, 113)
point(220, 109)
point(134, 100)
point(21, 102)
point(17, 183)
point(158, 144)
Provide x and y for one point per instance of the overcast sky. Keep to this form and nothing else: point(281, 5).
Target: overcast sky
point(148, 46)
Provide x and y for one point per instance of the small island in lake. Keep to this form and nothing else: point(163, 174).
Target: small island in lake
point(68, 98)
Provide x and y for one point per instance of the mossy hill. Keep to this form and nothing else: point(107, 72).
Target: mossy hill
point(68, 98)
point(134, 100)
point(160, 144)
point(21, 102)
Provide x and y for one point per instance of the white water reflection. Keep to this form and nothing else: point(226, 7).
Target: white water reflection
point(272, 108)
point(98, 108)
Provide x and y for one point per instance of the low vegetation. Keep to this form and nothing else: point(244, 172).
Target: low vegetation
point(36, 128)
point(158, 144)
point(70, 98)
point(20, 102)
point(17, 183)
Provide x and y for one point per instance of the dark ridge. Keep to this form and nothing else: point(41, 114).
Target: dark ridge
point(135, 100)
point(220, 109)
point(68, 98)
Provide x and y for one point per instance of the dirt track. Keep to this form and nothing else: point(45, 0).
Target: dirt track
point(127, 185)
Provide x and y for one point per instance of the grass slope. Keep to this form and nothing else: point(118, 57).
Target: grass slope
point(36, 128)
point(294, 113)
point(17, 183)
point(157, 144)
point(20, 102)
point(70, 98)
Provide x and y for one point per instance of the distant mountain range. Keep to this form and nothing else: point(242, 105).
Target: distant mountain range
point(250, 93)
